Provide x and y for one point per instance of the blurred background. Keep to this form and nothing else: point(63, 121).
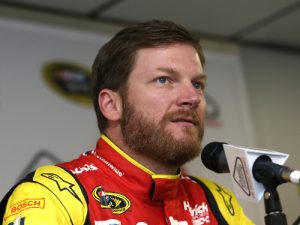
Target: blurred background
point(47, 49)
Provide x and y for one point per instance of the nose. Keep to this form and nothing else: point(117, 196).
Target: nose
point(189, 96)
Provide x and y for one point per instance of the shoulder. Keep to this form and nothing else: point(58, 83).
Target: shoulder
point(50, 190)
point(224, 201)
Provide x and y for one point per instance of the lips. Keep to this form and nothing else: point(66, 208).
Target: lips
point(183, 117)
point(185, 120)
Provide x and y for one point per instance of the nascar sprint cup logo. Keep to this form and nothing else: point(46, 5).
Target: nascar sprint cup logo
point(70, 80)
point(118, 203)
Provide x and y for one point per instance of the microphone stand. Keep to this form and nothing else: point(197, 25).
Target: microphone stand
point(264, 173)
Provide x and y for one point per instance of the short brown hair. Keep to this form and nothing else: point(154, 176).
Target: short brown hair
point(116, 58)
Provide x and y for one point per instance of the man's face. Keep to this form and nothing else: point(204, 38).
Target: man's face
point(164, 106)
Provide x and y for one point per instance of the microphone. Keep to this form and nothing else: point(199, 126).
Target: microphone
point(214, 158)
point(245, 163)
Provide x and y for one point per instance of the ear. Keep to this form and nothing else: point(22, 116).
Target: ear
point(110, 104)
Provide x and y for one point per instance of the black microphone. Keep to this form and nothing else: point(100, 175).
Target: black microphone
point(214, 158)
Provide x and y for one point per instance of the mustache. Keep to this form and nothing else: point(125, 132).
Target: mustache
point(191, 114)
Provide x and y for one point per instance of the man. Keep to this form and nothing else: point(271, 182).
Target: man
point(148, 86)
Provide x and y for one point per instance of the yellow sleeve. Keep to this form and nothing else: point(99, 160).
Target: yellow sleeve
point(51, 196)
point(227, 204)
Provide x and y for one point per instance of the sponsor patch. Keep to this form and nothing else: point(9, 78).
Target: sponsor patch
point(114, 222)
point(108, 222)
point(18, 221)
point(84, 168)
point(26, 204)
point(176, 222)
point(118, 203)
point(62, 184)
point(199, 213)
point(226, 198)
point(110, 165)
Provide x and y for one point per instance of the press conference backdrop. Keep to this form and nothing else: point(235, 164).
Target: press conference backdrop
point(39, 125)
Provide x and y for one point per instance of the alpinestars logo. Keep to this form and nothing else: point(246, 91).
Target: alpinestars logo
point(199, 213)
point(62, 184)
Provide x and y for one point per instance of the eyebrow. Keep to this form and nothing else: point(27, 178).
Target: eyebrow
point(171, 71)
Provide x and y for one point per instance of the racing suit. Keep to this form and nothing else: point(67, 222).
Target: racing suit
point(107, 187)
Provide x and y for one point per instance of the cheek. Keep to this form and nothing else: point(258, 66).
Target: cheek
point(150, 102)
point(153, 111)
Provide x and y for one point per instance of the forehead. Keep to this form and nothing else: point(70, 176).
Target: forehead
point(175, 56)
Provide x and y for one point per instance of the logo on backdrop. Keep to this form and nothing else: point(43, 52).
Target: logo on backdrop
point(213, 112)
point(70, 80)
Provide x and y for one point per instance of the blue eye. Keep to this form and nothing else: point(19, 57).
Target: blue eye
point(162, 80)
point(198, 85)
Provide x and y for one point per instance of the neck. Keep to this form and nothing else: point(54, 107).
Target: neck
point(151, 164)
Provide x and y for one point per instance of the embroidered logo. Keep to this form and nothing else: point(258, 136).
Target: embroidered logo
point(26, 204)
point(108, 222)
point(199, 213)
point(176, 222)
point(118, 203)
point(110, 165)
point(226, 198)
point(18, 221)
point(85, 168)
point(62, 184)
point(114, 222)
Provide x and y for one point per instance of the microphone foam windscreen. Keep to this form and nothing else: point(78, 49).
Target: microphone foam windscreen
point(211, 155)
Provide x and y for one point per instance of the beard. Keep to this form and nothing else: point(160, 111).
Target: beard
point(145, 136)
